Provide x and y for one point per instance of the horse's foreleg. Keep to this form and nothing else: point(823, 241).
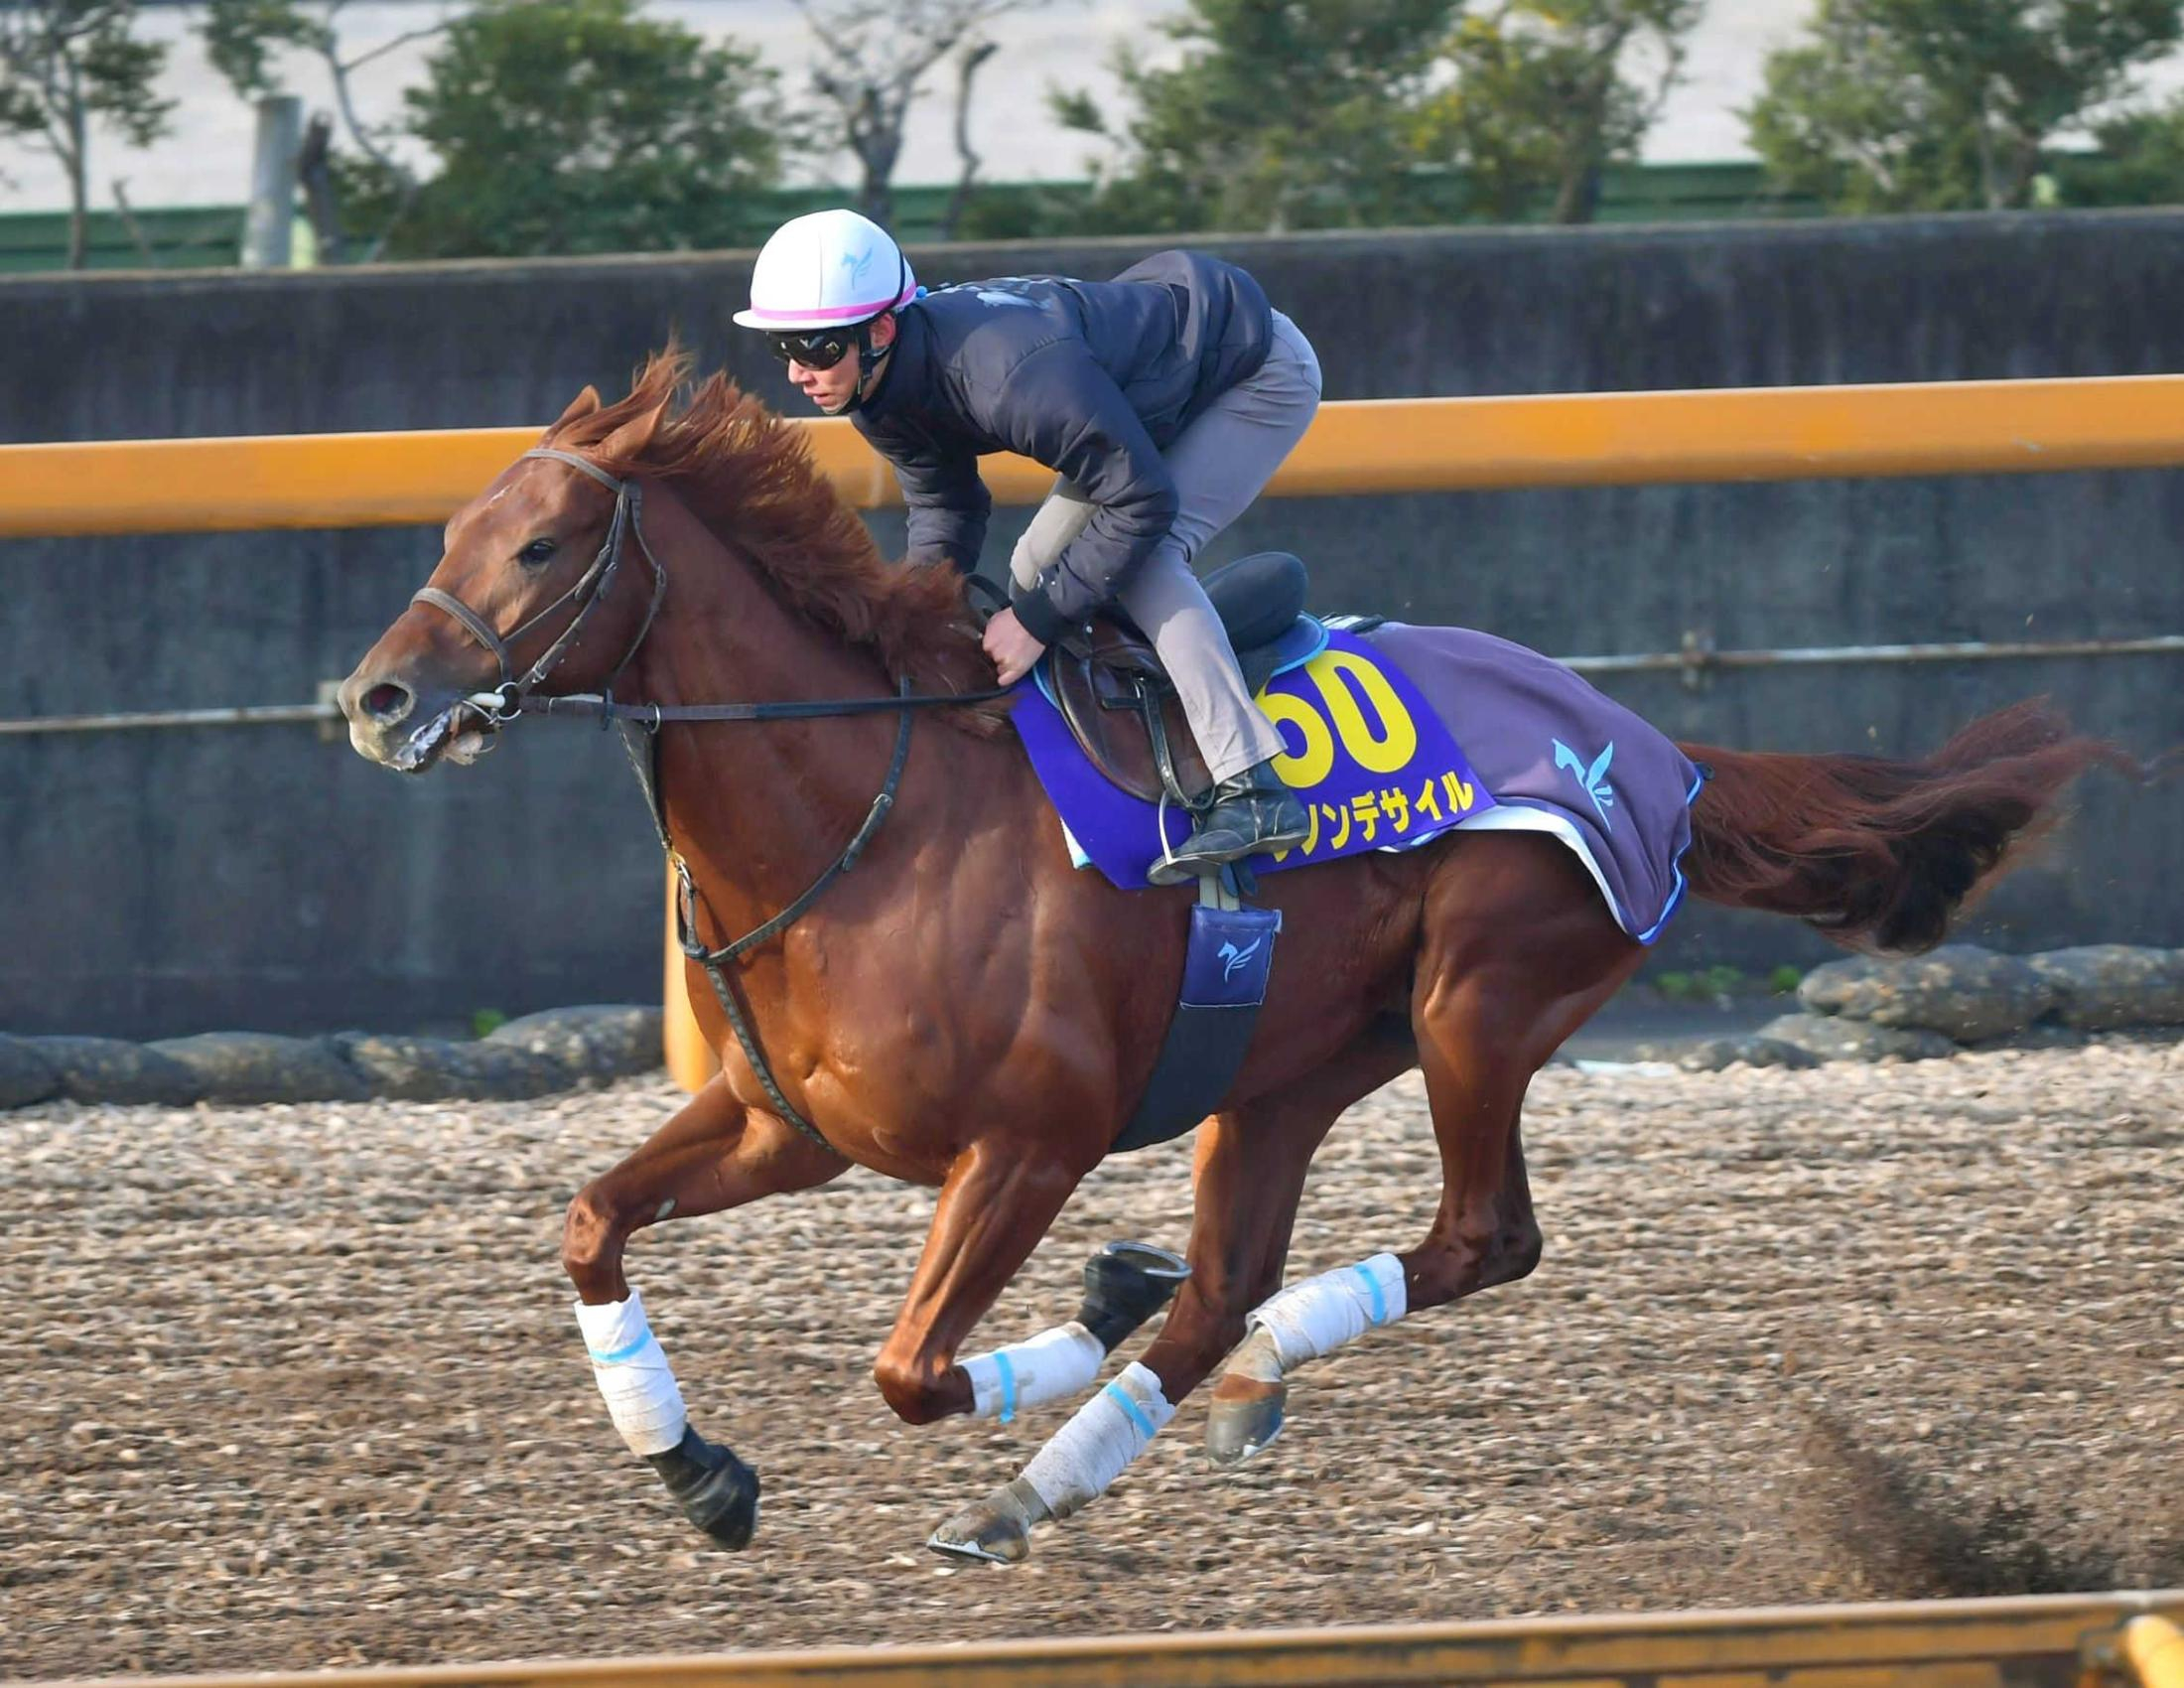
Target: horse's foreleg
point(1247, 1177)
point(1125, 1284)
point(713, 1154)
point(997, 1203)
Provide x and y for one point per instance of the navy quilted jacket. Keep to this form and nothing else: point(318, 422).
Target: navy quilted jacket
point(1091, 378)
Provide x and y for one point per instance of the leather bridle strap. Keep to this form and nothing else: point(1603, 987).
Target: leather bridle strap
point(688, 901)
point(592, 587)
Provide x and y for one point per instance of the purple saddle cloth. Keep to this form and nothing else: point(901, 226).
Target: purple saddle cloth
point(1370, 723)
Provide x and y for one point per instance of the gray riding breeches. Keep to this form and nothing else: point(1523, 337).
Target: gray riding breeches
point(1220, 463)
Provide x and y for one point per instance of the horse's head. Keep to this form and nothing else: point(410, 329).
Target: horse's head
point(543, 587)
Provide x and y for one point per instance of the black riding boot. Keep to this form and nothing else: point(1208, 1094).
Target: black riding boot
point(1252, 811)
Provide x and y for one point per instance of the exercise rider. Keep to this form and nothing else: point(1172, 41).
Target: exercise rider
point(1164, 400)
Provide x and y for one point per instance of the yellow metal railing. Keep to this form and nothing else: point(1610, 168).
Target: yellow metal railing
point(1362, 446)
point(2150, 1653)
point(2032, 1642)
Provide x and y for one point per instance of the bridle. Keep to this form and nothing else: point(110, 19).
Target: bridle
point(637, 723)
point(505, 702)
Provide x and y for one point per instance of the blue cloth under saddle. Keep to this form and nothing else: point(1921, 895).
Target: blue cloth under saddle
point(1364, 717)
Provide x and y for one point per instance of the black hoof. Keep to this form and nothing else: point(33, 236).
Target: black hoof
point(1125, 1284)
point(718, 1492)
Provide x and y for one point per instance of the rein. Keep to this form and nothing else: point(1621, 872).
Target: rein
point(515, 697)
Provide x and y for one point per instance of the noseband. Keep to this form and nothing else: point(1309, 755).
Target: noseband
point(514, 695)
point(505, 702)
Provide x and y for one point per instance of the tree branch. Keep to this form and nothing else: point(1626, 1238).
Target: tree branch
point(402, 40)
point(356, 130)
point(967, 69)
point(129, 222)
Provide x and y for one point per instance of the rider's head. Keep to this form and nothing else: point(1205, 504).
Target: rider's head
point(825, 286)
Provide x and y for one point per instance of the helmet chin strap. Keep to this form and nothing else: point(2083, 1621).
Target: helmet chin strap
point(868, 359)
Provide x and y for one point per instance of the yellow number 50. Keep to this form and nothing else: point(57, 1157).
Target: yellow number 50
point(1332, 674)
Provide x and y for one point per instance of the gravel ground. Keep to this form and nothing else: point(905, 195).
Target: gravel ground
point(299, 1386)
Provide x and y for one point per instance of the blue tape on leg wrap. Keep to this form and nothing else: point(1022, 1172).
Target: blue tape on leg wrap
point(1008, 1385)
point(1379, 1313)
point(1137, 1413)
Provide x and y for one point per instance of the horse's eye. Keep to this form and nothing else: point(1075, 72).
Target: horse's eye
point(536, 552)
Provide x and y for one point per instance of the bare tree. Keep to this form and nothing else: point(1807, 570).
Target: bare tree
point(874, 54)
point(314, 169)
point(239, 36)
point(64, 62)
point(967, 66)
point(129, 222)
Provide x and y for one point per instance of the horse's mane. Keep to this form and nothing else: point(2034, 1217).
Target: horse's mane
point(749, 476)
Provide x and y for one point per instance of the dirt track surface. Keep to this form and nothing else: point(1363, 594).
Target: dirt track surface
point(293, 1387)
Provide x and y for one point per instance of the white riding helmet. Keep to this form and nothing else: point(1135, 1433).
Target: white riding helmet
point(825, 270)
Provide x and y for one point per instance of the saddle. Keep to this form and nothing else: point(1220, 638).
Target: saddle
point(1120, 706)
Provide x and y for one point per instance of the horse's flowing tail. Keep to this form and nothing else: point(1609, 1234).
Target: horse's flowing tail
point(1876, 854)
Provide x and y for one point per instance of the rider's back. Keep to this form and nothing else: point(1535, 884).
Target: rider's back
point(1172, 332)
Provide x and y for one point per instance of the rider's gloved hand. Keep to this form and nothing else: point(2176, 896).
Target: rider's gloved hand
point(1013, 649)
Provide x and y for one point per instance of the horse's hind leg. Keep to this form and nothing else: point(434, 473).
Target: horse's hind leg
point(1247, 1177)
point(1489, 1013)
point(713, 1154)
point(1517, 952)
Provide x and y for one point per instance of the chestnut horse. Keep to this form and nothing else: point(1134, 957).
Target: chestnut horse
point(966, 1010)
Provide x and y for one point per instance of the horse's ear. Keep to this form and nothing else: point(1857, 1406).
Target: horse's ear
point(580, 407)
point(628, 443)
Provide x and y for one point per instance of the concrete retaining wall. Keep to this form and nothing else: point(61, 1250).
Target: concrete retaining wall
point(171, 882)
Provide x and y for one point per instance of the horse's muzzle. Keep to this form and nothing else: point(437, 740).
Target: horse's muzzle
point(386, 703)
point(392, 722)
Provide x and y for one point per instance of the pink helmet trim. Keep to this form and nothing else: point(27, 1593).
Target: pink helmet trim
point(837, 314)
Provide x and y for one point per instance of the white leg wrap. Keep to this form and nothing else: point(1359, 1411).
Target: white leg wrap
point(633, 1376)
point(1101, 1438)
point(1320, 1314)
point(1052, 1367)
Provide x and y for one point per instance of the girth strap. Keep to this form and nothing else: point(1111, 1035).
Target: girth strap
point(1226, 963)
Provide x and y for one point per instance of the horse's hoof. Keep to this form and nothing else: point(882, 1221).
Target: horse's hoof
point(995, 1531)
point(1125, 1284)
point(718, 1492)
point(1245, 1418)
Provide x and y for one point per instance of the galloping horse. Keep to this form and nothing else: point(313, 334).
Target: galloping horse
point(966, 1010)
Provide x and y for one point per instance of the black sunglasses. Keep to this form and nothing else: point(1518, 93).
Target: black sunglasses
point(820, 348)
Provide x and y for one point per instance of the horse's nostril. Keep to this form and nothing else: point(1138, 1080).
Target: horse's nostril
point(388, 702)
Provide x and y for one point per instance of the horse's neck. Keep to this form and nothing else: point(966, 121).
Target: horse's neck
point(758, 809)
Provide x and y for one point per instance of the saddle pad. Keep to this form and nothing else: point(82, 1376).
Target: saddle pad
point(1369, 757)
point(1377, 768)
